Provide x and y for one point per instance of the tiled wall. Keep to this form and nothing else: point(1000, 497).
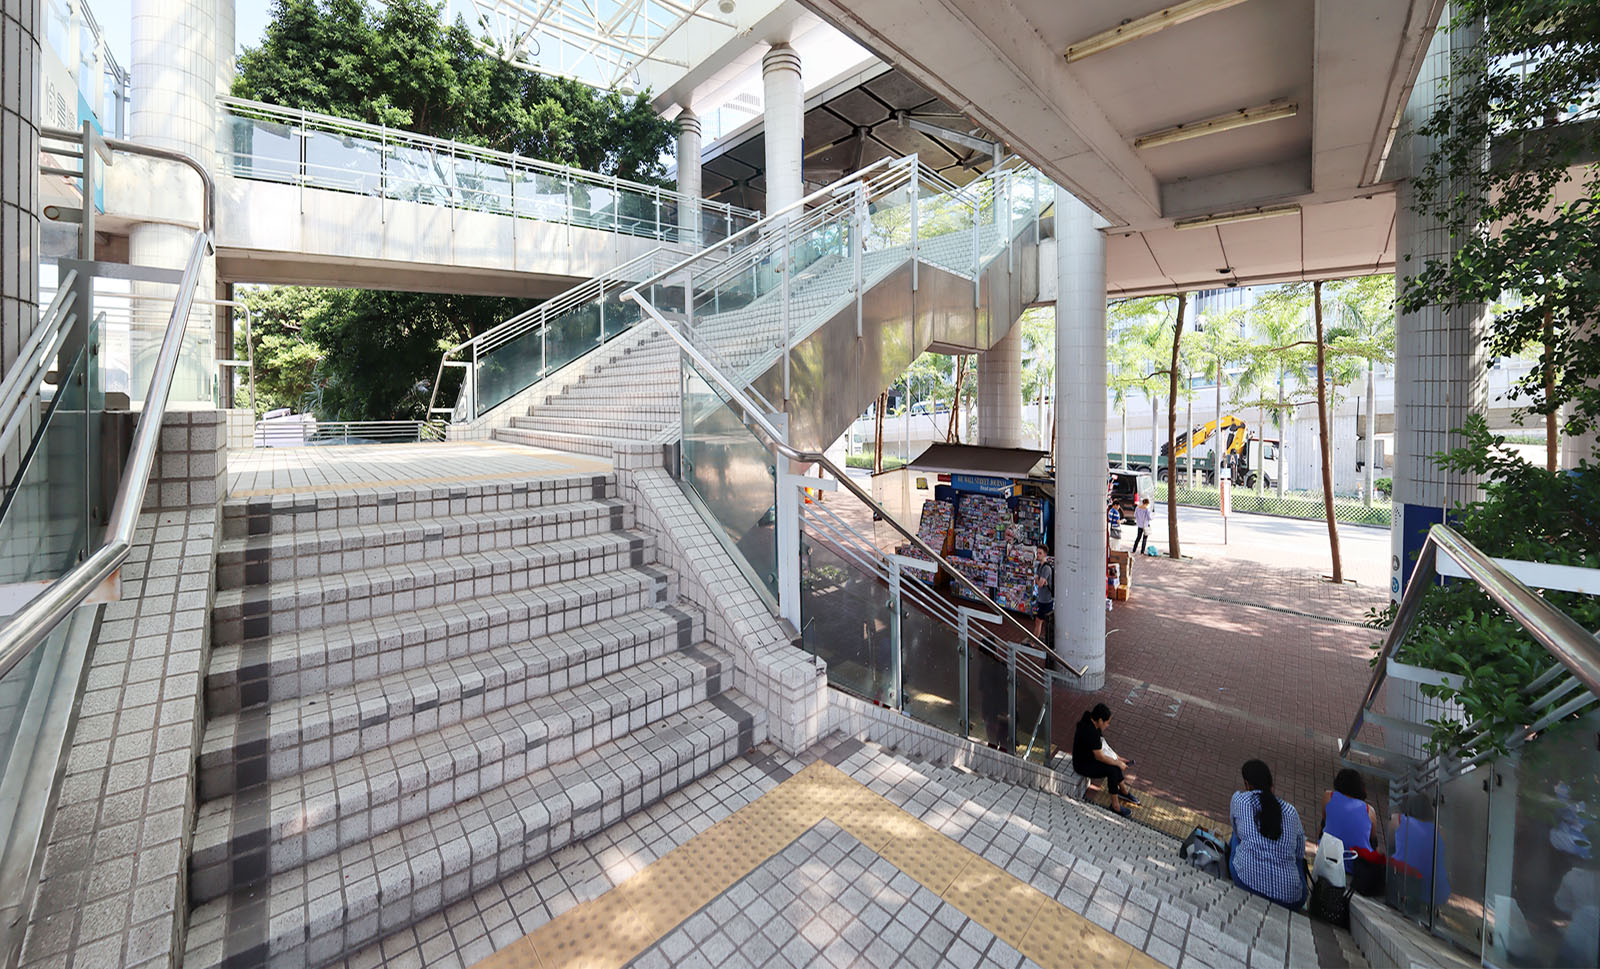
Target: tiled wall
point(19, 189)
point(113, 889)
point(767, 667)
point(241, 429)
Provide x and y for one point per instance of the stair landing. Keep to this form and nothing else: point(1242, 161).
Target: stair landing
point(270, 472)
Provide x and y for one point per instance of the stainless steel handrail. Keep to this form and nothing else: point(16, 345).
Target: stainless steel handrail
point(29, 626)
point(1567, 642)
point(767, 220)
point(775, 438)
point(209, 213)
point(35, 356)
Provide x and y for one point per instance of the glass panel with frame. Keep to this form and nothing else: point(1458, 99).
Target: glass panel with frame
point(845, 611)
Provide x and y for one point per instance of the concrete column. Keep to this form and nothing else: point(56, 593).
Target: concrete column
point(785, 121)
point(1080, 523)
point(19, 190)
point(175, 79)
point(1440, 372)
point(689, 177)
point(1000, 391)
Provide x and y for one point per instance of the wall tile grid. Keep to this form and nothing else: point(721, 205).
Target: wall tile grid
point(785, 682)
point(19, 186)
point(112, 888)
point(241, 429)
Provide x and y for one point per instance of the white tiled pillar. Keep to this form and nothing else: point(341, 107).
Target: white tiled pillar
point(785, 121)
point(19, 188)
point(176, 75)
point(1441, 369)
point(1000, 391)
point(689, 177)
point(1080, 522)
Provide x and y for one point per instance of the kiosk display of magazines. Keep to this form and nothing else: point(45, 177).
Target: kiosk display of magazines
point(990, 515)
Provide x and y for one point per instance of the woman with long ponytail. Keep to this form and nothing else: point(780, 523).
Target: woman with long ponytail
point(1267, 852)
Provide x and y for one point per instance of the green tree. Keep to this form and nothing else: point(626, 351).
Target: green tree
point(1364, 314)
point(1526, 214)
point(1276, 356)
point(283, 358)
point(399, 64)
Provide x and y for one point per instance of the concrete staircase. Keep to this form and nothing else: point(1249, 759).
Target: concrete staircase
point(1124, 877)
point(413, 693)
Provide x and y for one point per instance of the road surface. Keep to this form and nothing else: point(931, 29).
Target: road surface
point(1270, 540)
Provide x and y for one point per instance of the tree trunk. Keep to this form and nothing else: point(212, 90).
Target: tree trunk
point(1218, 449)
point(1283, 437)
point(952, 431)
point(877, 433)
point(1372, 437)
point(1172, 434)
point(1155, 449)
point(1188, 428)
point(1552, 422)
point(1038, 414)
point(1124, 412)
point(1326, 437)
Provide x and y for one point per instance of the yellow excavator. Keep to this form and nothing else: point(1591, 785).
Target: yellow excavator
point(1235, 436)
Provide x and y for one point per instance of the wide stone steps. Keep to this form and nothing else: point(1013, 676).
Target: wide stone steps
point(627, 430)
point(319, 728)
point(316, 601)
point(326, 909)
point(275, 514)
point(282, 557)
point(305, 663)
point(663, 393)
point(560, 440)
point(1111, 858)
point(625, 409)
point(310, 811)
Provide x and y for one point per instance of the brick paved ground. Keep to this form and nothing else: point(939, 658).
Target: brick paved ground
point(1213, 662)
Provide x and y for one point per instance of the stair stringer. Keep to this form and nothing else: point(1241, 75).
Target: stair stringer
point(834, 375)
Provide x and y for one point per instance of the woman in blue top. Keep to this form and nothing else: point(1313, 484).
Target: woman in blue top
point(1346, 814)
point(1266, 855)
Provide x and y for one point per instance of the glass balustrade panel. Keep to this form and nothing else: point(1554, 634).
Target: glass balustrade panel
point(44, 520)
point(989, 693)
point(729, 473)
point(1437, 844)
point(1542, 897)
point(343, 163)
point(419, 175)
point(508, 369)
point(930, 650)
point(483, 185)
point(263, 150)
point(1033, 712)
point(845, 611)
point(541, 196)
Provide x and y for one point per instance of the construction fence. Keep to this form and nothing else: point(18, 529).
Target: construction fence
point(1293, 504)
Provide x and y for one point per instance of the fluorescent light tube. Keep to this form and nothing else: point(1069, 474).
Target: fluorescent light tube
point(1243, 118)
point(1145, 26)
point(1244, 215)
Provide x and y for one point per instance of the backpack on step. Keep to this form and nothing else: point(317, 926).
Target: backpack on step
point(1205, 851)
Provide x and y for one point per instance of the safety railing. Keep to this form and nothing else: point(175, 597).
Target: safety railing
point(1489, 843)
point(302, 431)
point(507, 359)
point(915, 650)
point(264, 142)
point(54, 558)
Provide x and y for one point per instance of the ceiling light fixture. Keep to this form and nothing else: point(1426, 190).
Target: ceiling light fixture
point(1145, 26)
point(1244, 215)
point(1242, 118)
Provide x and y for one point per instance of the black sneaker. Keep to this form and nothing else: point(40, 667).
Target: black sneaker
point(1130, 798)
point(1125, 811)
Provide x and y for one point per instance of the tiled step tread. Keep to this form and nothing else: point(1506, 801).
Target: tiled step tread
point(497, 570)
point(304, 814)
point(538, 420)
point(259, 514)
point(547, 437)
point(329, 908)
point(309, 661)
point(514, 526)
point(364, 715)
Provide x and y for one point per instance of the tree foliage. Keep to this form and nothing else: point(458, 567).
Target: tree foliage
point(369, 355)
point(398, 64)
point(1513, 179)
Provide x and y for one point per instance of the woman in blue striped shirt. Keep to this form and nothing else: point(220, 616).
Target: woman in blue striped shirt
point(1267, 853)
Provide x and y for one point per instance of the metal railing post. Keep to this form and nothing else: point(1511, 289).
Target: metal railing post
point(858, 244)
point(896, 698)
point(783, 282)
point(914, 187)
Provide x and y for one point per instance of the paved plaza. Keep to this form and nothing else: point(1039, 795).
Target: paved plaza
point(1213, 662)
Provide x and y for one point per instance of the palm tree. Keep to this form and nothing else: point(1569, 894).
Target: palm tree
point(1276, 355)
point(1365, 308)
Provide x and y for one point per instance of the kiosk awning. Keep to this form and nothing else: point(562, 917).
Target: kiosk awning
point(995, 462)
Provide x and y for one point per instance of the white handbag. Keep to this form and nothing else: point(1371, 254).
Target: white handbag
point(1330, 861)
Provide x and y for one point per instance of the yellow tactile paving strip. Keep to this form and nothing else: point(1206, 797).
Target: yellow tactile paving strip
point(608, 932)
